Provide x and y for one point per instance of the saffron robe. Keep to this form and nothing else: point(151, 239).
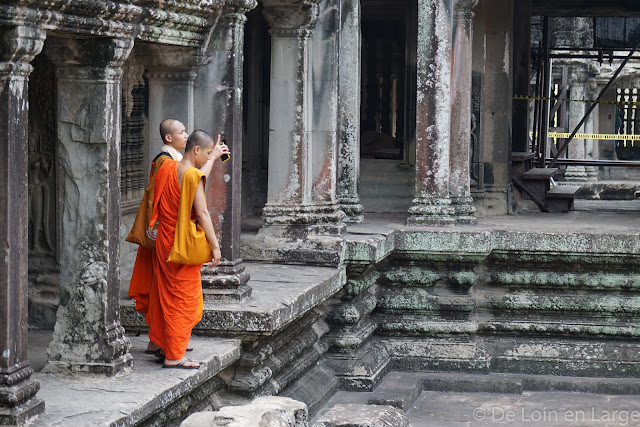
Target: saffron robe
point(142, 277)
point(176, 300)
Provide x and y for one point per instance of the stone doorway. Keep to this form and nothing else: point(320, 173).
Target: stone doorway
point(388, 97)
point(43, 259)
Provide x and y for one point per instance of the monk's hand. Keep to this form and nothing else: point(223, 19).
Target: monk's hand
point(215, 252)
point(219, 149)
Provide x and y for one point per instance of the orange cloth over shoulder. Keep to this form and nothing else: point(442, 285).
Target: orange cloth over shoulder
point(176, 300)
point(142, 277)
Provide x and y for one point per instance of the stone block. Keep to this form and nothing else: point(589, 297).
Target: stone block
point(358, 415)
point(267, 411)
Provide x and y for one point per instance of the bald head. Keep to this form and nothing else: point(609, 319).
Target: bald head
point(199, 138)
point(167, 127)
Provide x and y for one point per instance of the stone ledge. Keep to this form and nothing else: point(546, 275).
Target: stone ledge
point(280, 294)
point(128, 400)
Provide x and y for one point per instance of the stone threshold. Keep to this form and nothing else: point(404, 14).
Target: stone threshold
point(148, 392)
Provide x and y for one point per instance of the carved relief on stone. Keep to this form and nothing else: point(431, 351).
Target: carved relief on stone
point(135, 97)
point(42, 176)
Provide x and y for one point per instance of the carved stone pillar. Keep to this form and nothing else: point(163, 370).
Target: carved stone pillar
point(459, 180)
point(292, 209)
point(349, 110)
point(88, 336)
point(324, 119)
point(219, 110)
point(576, 148)
point(170, 95)
point(18, 46)
point(432, 204)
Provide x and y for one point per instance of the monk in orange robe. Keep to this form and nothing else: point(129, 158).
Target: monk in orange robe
point(176, 300)
point(174, 136)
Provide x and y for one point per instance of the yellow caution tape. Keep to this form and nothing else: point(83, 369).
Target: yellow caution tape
point(540, 98)
point(600, 136)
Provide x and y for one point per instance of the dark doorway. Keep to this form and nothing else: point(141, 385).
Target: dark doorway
point(388, 74)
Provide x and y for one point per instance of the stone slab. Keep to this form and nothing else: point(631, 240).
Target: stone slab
point(126, 400)
point(281, 294)
point(266, 411)
point(359, 415)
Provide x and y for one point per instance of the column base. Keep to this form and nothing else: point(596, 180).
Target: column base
point(304, 220)
point(20, 414)
point(69, 354)
point(17, 396)
point(120, 366)
point(225, 283)
point(352, 208)
point(576, 173)
point(464, 210)
point(431, 212)
point(592, 173)
point(275, 244)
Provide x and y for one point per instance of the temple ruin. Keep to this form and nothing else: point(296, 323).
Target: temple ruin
point(401, 197)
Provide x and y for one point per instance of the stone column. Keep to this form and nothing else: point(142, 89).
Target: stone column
point(349, 110)
point(576, 148)
point(591, 126)
point(219, 110)
point(460, 181)
point(292, 210)
point(324, 123)
point(170, 93)
point(432, 204)
point(18, 46)
point(88, 336)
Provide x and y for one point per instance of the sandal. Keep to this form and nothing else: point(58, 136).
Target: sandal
point(181, 365)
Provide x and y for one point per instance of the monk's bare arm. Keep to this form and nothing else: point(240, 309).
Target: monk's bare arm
point(204, 219)
point(218, 150)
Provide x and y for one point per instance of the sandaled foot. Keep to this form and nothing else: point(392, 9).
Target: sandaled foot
point(182, 364)
point(189, 348)
point(159, 354)
point(151, 348)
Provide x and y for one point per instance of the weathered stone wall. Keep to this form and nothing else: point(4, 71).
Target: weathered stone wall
point(566, 305)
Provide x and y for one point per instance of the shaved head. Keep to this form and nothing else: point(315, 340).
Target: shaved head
point(199, 138)
point(166, 127)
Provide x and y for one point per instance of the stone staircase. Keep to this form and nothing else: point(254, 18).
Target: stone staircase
point(538, 185)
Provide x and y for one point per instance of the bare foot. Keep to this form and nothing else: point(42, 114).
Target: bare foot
point(152, 348)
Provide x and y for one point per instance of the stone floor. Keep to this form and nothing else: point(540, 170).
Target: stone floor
point(88, 400)
point(442, 400)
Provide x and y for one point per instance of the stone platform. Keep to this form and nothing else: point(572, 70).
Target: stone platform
point(148, 395)
point(424, 299)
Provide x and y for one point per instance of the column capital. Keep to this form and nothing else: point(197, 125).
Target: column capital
point(291, 14)
point(465, 5)
point(96, 52)
point(18, 46)
point(238, 7)
point(157, 56)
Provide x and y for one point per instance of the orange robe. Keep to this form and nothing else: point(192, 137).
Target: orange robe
point(176, 300)
point(142, 277)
